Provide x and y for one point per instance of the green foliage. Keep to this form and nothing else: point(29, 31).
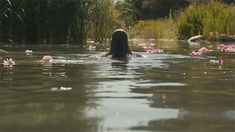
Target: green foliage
point(153, 9)
point(209, 19)
point(57, 21)
point(126, 12)
point(233, 20)
point(103, 19)
point(74, 21)
point(157, 29)
point(190, 21)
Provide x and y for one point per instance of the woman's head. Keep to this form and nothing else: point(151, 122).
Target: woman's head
point(119, 44)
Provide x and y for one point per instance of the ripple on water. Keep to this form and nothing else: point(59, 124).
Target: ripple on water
point(166, 84)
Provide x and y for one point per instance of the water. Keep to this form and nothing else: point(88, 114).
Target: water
point(82, 92)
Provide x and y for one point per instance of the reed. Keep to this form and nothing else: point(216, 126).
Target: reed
point(103, 19)
point(57, 21)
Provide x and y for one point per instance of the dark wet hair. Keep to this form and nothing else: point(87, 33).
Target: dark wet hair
point(119, 44)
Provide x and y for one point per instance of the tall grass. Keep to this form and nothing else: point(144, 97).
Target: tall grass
point(190, 21)
point(57, 21)
point(209, 19)
point(103, 19)
point(157, 29)
point(233, 20)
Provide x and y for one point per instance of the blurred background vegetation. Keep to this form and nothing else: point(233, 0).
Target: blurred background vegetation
point(76, 21)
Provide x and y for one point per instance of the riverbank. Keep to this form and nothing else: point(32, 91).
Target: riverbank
point(215, 21)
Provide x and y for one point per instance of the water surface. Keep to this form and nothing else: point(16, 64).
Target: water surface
point(159, 92)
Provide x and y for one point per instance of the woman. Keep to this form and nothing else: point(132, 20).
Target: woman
point(119, 48)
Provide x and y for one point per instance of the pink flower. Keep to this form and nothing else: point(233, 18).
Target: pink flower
point(196, 53)
point(8, 62)
point(226, 48)
point(203, 50)
point(221, 47)
point(47, 59)
point(220, 61)
point(199, 52)
point(28, 52)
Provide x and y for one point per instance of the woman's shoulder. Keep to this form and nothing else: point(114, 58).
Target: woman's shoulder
point(135, 54)
point(132, 54)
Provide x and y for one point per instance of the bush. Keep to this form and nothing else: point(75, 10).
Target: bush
point(210, 20)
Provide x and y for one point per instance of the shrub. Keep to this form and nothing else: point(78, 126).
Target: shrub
point(213, 18)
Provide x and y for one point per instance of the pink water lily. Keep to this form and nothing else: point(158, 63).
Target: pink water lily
point(196, 53)
point(47, 59)
point(199, 52)
point(226, 48)
point(203, 50)
point(220, 61)
point(28, 52)
point(8, 62)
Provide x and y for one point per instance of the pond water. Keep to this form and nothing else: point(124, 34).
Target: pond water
point(80, 91)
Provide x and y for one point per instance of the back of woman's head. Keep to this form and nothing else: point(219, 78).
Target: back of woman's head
point(119, 44)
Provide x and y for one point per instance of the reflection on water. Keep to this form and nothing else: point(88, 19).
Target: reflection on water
point(119, 114)
point(158, 92)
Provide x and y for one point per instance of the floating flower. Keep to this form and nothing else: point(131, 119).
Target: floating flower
point(221, 47)
point(220, 61)
point(196, 53)
point(199, 52)
point(8, 62)
point(47, 59)
point(203, 50)
point(226, 48)
point(28, 52)
point(229, 49)
point(61, 88)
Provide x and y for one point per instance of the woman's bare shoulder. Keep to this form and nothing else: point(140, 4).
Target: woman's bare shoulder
point(135, 54)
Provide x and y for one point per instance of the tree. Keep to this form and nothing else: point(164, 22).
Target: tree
point(152, 9)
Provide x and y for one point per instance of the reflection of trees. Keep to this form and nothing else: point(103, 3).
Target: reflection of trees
point(198, 112)
point(204, 103)
point(119, 65)
point(29, 105)
point(49, 115)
